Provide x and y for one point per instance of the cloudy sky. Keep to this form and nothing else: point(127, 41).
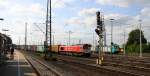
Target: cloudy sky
point(77, 16)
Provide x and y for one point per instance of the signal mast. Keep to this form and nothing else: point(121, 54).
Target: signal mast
point(100, 31)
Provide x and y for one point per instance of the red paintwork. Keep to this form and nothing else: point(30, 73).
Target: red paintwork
point(75, 49)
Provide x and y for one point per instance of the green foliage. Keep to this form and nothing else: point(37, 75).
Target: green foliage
point(133, 43)
point(146, 48)
point(132, 48)
point(134, 37)
point(135, 48)
point(149, 45)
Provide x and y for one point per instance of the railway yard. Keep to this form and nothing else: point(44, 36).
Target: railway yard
point(113, 65)
point(69, 64)
point(74, 38)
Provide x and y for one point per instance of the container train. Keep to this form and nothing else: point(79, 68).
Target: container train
point(115, 49)
point(74, 50)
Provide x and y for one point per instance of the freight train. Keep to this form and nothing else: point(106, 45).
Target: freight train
point(74, 50)
point(5, 46)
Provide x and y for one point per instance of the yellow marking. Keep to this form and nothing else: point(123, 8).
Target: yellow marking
point(30, 74)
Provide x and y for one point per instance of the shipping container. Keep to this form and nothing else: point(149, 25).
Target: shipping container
point(33, 48)
point(40, 48)
point(106, 49)
point(55, 48)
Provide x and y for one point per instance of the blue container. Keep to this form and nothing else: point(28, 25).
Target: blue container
point(113, 49)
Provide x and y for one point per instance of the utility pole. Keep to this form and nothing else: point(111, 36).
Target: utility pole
point(26, 36)
point(124, 46)
point(69, 39)
point(140, 38)
point(53, 40)
point(48, 34)
point(79, 41)
point(93, 40)
point(19, 41)
point(111, 33)
point(50, 28)
point(105, 37)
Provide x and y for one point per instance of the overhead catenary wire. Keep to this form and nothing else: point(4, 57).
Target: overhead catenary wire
point(39, 28)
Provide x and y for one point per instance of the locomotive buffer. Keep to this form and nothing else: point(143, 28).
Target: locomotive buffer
point(100, 32)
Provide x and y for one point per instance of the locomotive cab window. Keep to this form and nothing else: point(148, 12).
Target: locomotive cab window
point(62, 48)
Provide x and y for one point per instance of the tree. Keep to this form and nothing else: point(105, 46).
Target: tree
point(133, 42)
point(134, 37)
point(148, 47)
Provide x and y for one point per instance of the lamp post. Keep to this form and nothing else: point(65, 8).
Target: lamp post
point(70, 32)
point(69, 35)
point(26, 36)
point(140, 38)
point(124, 46)
point(5, 30)
point(1, 19)
point(111, 32)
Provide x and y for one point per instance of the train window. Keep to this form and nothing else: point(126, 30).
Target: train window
point(62, 48)
point(86, 46)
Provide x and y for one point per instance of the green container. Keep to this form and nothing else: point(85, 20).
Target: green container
point(40, 48)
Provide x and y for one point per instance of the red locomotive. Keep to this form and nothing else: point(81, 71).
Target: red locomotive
point(77, 50)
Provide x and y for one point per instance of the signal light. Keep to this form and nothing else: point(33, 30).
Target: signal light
point(97, 31)
point(98, 18)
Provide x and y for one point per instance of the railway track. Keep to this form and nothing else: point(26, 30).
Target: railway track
point(119, 70)
point(133, 61)
point(102, 70)
point(134, 69)
point(129, 58)
point(87, 67)
point(122, 57)
point(41, 68)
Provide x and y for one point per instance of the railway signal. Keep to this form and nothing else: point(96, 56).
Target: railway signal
point(100, 32)
point(98, 18)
